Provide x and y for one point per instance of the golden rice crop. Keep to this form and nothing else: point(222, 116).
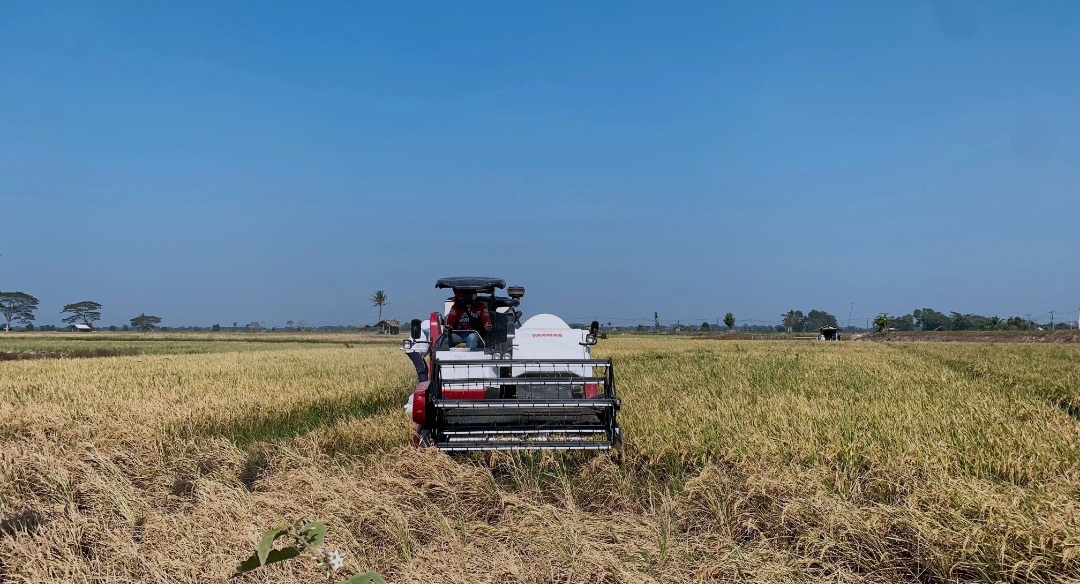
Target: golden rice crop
point(52, 345)
point(745, 461)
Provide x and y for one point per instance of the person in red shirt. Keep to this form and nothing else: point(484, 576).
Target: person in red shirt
point(467, 314)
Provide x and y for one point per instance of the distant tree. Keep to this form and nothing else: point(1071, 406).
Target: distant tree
point(234, 325)
point(86, 312)
point(29, 327)
point(817, 319)
point(216, 328)
point(656, 321)
point(705, 327)
point(112, 328)
point(994, 323)
point(254, 326)
point(729, 321)
point(18, 307)
point(958, 322)
point(640, 328)
point(1015, 323)
point(379, 299)
point(882, 322)
point(903, 323)
point(928, 319)
point(124, 328)
point(288, 324)
point(976, 322)
point(794, 321)
point(789, 320)
point(145, 322)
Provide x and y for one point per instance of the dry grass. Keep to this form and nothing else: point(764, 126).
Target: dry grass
point(58, 345)
point(746, 461)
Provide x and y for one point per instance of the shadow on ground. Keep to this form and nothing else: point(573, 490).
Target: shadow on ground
point(275, 423)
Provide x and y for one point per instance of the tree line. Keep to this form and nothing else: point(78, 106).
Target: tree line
point(928, 319)
point(796, 321)
point(19, 308)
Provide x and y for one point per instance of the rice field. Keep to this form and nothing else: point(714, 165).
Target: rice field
point(23, 346)
point(752, 461)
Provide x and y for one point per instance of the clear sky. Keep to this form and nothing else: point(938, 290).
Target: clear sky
point(261, 161)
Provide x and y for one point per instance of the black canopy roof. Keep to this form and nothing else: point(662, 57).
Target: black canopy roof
point(475, 283)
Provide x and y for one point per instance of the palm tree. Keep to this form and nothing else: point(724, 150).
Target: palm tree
point(379, 299)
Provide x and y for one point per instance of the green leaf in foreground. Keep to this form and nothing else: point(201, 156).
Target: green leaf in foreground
point(273, 556)
point(368, 578)
point(314, 533)
point(266, 543)
point(265, 552)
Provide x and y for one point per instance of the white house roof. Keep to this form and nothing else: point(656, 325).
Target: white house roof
point(81, 327)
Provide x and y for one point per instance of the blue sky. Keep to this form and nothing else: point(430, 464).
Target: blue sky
point(211, 163)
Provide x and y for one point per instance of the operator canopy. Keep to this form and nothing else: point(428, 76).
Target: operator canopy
point(471, 283)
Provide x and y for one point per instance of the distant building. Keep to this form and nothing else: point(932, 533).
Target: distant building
point(388, 327)
point(828, 333)
point(80, 328)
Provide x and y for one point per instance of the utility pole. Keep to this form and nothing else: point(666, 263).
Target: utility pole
point(849, 314)
point(1028, 327)
point(1051, 320)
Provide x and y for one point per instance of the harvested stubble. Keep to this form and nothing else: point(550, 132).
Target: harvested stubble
point(51, 345)
point(745, 461)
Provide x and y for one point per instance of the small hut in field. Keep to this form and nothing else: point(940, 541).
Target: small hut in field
point(388, 327)
point(828, 333)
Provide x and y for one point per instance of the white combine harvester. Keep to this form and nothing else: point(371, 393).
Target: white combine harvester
point(531, 385)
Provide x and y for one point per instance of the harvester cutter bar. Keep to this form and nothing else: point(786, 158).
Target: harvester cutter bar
point(463, 447)
point(526, 381)
point(516, 404)
point(516, 431)
point(517, 361)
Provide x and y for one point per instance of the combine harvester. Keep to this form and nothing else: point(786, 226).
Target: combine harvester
point(531, 386)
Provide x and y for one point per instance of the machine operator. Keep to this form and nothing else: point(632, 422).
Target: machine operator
point(468, 314)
